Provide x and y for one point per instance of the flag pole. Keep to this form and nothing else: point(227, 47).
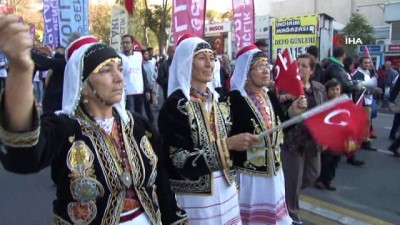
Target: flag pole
point(312, 112)
point(362, 94)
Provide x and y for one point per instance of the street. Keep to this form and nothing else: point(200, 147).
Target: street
point(369, 193)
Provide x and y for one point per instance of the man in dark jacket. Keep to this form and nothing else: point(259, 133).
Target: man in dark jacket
point(335, 69)
point(163, 71)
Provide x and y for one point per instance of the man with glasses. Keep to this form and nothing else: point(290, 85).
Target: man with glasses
point(136, 83)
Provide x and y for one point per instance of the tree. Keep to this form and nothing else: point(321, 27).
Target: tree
point(99, 18)
point(31, 13)
point(228, 15)
point(213, 16)
point(358, 27)
point(158, 19)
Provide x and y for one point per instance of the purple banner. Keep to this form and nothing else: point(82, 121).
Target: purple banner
point(50, 16)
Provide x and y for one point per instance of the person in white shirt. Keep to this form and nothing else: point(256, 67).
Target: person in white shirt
point(136, 85)
point(151, 77)
point(152, 57)
point(370, 83)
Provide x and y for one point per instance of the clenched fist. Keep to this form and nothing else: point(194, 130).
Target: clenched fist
point(15, 42)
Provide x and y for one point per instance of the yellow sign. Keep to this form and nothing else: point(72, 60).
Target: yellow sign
point(296, 33)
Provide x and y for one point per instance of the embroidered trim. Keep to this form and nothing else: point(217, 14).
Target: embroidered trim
point(209, 149)
point(203, 138)
point(137, 167)
point(19, 140)
point(181, 222)
point(116, 197)
point(271, 144)
point(57, 220)
point(148, 151)
point(22, 139)
point(82, 212)
point(201, 186)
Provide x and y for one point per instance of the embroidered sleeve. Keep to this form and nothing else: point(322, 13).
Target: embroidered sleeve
point(19, 139)
point(33, 150)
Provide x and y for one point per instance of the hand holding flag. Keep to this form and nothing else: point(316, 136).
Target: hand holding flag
point(337, 124)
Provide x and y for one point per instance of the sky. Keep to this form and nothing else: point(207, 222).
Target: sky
point(218, 5)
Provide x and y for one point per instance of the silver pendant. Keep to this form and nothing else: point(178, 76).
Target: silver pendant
point(126, 179)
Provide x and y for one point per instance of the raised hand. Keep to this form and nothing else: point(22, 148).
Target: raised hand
point(16, 42)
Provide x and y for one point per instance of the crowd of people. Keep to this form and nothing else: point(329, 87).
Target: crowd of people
point(205, 161)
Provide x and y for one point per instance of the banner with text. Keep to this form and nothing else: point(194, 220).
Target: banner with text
point(188, 17)
point(73, 16)
point(243, 20)
point(119, 26)
point(294, 33)
point(50, 17)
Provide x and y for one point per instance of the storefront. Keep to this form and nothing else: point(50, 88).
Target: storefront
point(392, 54)
point(376, 52)
point(219, 35)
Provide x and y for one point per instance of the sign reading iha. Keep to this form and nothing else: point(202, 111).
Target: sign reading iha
point(340, 40)
point(119, 26)
point(295, 33)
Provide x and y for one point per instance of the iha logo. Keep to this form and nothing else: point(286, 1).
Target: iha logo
point(340, 40)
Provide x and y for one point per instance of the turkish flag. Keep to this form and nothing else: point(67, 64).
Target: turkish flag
point(341, 128)
point(130, 6)
point(287, 77)
point(360, 101)
point(366, 52)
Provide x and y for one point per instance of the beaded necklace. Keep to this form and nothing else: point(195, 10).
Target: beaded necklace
point(203, 94)
point(131, 201)
point(262, 106)
point(204, 98)
point(116, 145)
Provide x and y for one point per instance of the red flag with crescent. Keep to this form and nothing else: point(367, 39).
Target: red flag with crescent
point(340, 128)
point(287, 77)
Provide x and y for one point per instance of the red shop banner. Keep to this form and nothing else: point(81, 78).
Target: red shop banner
point(188, 17)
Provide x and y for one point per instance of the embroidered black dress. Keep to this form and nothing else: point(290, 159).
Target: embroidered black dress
point(87, 175)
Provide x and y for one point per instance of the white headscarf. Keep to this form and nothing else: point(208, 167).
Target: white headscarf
point(241, 72)
point(180, 71)
point(73, 86)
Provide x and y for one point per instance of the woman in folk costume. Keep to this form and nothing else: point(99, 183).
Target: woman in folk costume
point(194, 128)
point(255, 109)
point(101, 156)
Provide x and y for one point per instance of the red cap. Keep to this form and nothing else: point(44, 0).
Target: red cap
point(245, 49)
point(79, 43)
point(183, 37)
